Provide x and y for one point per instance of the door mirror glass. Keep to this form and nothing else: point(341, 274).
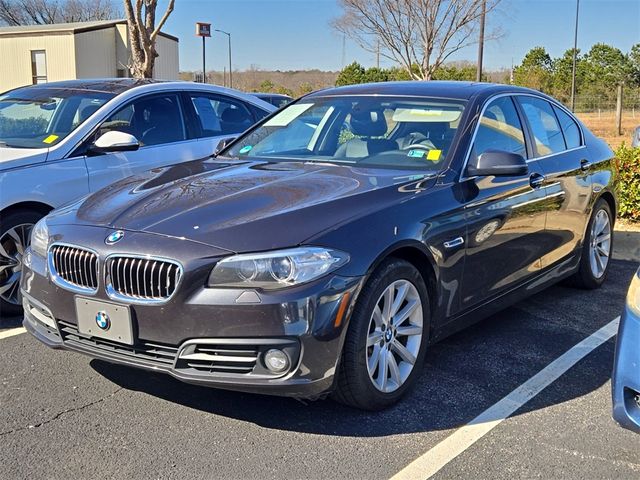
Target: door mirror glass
point(114, 141)
point(498, 163)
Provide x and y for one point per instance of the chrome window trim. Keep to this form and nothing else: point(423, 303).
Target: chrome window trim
point(490, 100)
point(115, 295)
point(61, 282)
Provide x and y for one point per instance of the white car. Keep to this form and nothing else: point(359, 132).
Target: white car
point(60, 141)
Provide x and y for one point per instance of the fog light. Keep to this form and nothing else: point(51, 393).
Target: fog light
point(276, 360)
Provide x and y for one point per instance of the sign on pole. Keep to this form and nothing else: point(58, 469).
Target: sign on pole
point(203, 30)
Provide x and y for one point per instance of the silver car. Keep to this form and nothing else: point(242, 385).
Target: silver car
point(60, 141)
point(635, 140)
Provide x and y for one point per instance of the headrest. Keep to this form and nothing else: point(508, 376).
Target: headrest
point(87, 111)
point(233, 115)
point(368, 123)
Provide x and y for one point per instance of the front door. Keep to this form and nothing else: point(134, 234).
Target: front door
point(505, 215)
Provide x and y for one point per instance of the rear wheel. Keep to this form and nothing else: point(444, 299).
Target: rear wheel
point(596, 249)
point(387, 338)
point(15, 231)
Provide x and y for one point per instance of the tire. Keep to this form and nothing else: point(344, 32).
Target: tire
point(355, 385)
point(589, 276)
point(14, 226)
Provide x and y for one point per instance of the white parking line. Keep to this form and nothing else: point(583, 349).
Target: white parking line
point(432, 461)
point(12, 332)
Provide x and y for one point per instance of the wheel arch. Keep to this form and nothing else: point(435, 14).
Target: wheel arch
point(416, 254)
point(28, 206)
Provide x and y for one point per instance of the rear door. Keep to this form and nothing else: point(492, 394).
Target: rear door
point(157, 121)
point(564, 160)
point(505, 215)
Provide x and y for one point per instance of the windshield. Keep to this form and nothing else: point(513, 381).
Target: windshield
point(386, 132)
point(41, 117)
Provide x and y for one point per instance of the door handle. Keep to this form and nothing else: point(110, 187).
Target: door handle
point(585, 164)
point(536, 180)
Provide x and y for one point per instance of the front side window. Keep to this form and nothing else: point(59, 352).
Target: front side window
point(547, 134)
point(385, 132)
point(38, 66)
point(40, 117)
point(500, 129)
point(221, 115)
point(152, 120)
point(569, 127)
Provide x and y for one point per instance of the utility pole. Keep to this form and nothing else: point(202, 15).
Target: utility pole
point(481, 41)
point(230, 67)
point(575, 55)
point(378, 55)
point(619, 110)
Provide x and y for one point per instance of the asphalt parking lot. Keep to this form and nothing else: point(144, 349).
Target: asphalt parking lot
point(63, 415)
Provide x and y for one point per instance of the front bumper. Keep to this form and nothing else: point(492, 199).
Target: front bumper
point(187, 337)
point(625, 381)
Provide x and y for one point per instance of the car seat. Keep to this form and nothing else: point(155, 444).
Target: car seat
point(368, 124)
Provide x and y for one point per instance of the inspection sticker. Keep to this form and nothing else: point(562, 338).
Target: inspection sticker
point(50, 139)
point(434, 155)
point(245, 149)
point(416, 153)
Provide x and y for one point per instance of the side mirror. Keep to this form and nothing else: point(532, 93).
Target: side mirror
point(498, 163)
point(224, 143)
point(114, 141)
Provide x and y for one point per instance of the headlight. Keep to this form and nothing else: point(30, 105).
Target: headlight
point(278, 269)
point(633, 297)
point(40, 238)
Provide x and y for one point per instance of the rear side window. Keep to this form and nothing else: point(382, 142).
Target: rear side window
point(569, 127)
point(221, 115)
point(546, 131)
point(500, 129)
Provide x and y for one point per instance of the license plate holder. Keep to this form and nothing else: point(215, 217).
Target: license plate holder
point(114, 318)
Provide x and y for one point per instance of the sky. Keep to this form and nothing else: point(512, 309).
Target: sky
point(296, 34)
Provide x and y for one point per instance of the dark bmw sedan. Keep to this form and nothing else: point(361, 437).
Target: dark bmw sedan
point(326, 248)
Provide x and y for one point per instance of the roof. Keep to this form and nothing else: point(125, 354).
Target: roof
point(106, 85)
point(433, 88)
point(75, 27)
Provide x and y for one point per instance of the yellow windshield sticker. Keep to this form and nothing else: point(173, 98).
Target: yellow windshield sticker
point(434, 155)
point(50, 139)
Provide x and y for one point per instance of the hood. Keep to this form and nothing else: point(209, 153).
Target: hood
point(241, 206)
point(20, 157)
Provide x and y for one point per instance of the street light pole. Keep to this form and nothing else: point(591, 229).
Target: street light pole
point(575, 55)
point(230, 68)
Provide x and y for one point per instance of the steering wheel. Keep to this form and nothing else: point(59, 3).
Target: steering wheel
point(419, 145)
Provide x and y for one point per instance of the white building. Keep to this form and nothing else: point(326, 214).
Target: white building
point(45, 53)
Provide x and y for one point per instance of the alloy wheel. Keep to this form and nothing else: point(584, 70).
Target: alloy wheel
point(394, 336)
point(600, 246)
point(13, 244)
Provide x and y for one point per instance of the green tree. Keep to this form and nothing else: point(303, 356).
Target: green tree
point(453, 72)
point(267, 86)
point(375, 74)
point(352, 74)
point(563, 73)
point(535, 71)
point(634, 64)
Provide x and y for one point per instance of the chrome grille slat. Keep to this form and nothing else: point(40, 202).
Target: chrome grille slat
point(141, 279)
point(74, 267)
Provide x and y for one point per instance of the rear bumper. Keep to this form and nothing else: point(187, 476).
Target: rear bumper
point(203, 325)
point(625, 380)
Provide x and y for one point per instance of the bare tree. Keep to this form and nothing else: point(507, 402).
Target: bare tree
point(41, 12)
point(419, 35)
point(141, 19)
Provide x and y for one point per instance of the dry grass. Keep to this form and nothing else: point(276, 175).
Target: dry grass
point(603, 125)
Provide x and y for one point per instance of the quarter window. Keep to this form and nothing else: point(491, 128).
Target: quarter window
point(500, 129)
point(546, 131)
point(570, 128)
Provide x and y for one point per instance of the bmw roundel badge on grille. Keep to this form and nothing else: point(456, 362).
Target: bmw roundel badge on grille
point(114, 237)
point(103, 321)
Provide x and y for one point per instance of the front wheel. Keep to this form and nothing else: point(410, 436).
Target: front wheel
point(15, 231)
point(596, 249)
point(387, 338)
